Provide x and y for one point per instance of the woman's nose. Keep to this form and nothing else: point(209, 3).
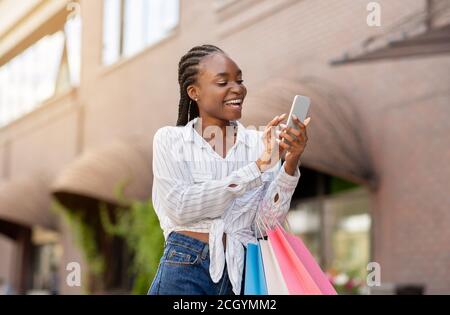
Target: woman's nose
point(237, 87)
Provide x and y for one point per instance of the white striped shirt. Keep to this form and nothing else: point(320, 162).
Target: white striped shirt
point(191, 192)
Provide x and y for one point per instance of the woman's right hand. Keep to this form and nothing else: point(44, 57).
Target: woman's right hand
point(272, 153)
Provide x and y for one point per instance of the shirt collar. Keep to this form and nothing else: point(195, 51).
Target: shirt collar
point(191, 135)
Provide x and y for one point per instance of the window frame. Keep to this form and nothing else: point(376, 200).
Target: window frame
point(121, 55)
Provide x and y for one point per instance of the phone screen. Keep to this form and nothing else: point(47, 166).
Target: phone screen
point(300, 107)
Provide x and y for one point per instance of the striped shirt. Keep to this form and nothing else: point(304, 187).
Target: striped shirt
point(196, 189)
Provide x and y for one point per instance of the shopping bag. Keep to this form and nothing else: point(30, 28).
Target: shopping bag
point(296, 276)
point(274, 278)
point(255, 282)
point(310, 263)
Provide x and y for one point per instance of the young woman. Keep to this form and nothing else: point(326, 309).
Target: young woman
point(213, 177)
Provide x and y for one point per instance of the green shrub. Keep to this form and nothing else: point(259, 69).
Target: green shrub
point(85, 238)
point(140, 228)
point(137, 223)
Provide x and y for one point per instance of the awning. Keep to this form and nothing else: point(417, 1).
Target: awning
point(26, 201)
point(98, 174)
point(337, 143)
point(421, 34)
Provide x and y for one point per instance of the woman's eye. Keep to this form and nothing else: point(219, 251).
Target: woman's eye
point(225, 83)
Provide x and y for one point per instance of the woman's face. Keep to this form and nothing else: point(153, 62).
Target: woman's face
point(219, 81)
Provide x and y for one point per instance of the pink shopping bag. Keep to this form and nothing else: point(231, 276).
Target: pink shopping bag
point(296, 276)
point(310, 264)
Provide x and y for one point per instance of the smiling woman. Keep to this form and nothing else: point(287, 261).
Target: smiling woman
point(219, 82)
point(207, 201)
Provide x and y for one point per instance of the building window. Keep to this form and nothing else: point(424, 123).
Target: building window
point(332, 217)
point(131, 25)
point(46, 256)
point(46, 68)
point(348, 224)
point(72, 32)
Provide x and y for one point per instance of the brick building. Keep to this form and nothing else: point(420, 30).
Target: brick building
point(380, 108)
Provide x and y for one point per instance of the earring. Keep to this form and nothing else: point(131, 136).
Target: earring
point(196, 99)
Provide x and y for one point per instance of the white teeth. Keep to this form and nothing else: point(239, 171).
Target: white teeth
point(238, 101)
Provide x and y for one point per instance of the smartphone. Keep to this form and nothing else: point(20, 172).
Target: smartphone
point(299, 108)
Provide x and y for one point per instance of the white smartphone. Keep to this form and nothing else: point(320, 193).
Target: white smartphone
point(300, 108)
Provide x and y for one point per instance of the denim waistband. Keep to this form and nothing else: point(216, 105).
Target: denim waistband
point(196, 245)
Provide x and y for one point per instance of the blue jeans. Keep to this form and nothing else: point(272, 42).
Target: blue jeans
point(184, 270)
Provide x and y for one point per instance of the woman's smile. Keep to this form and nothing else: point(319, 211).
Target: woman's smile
point(234, 104)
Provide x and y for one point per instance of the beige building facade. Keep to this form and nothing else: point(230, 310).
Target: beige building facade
point(381, 123)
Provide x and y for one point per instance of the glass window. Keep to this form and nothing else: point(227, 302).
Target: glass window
point(304, 221)
point(31, 77)
point(111, 30)
point(350, 225)
point(73, 44)
point(335, 224)
point(131, 25)
point(45, 258)
point(134, 26)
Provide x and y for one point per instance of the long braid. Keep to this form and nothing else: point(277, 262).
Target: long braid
point(187, 75)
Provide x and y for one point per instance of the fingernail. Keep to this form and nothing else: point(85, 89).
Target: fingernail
point(283, 125)
point(307, 120)
point(295, 117)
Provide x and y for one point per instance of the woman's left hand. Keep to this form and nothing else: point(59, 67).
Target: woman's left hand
point(297, 142)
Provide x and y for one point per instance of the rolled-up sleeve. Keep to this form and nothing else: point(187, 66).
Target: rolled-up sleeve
point(184, 201)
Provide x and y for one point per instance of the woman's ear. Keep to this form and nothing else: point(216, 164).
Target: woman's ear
point(192, 91)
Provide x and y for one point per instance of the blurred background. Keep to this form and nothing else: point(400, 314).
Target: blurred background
point(84, 85)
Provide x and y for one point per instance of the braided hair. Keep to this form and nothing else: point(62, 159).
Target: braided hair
point(187, 75)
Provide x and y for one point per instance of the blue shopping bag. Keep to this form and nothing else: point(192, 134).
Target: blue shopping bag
point(255, 281)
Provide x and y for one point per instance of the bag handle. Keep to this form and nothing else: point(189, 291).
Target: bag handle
point(275, 222)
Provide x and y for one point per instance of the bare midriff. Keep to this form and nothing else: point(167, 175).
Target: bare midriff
point(204, 237)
